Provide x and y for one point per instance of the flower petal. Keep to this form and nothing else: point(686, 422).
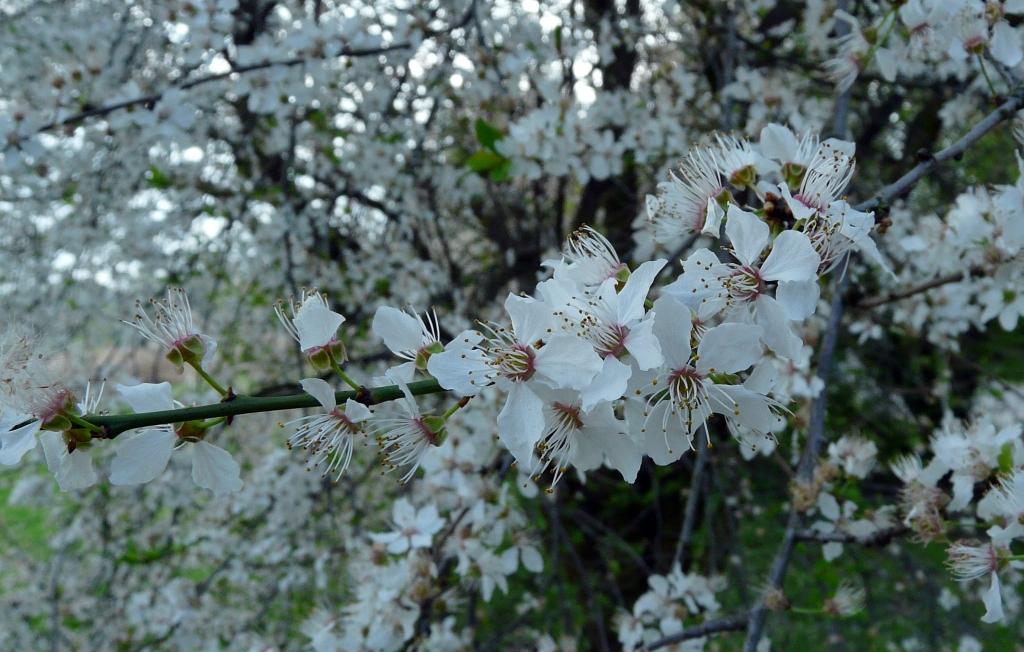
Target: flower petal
point(748, 234)
point(147, 397)
point(399, 330)
point(213, 468)
point(521, 423)
point(793, 258)
point(142, 456)
point(729, 348)
point(321, 390)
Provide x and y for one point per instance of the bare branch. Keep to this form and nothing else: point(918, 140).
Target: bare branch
point(729, 624)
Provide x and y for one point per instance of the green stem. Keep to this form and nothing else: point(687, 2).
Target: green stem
point(79, 421)
point(988, 80)
point(455, 408)
point(344, 376)
point(804, 610)
point(217, 387)
point(114, 425)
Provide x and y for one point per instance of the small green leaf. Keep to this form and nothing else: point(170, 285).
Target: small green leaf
point(1006, 457)
point(158, 179)
point(484, 160)
point(487, 134)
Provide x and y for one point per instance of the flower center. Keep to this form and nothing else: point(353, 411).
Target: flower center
point(745, 283)
point(517, 363)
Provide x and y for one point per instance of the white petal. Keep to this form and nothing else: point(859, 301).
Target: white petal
point(1005, 45)
point(321, 390)
point(779, 143)
point(993, 602)
point(729, 348)
point(631, 299)
point(643, 345)
point(460, 365)
point(828, 506)
point(356, 411)
point(532, 560)
point(213, 468)
point(315, 323)
point(793, 258)
point(672, 325)
point(832, 550)
point(76, 472)
point(147, 397)
point(399, 330)
point(141, 456)
point(778, 334)
point(609, 384)
point(531, 319)
point(568, 361)
point(521, 423)
point(619, 450)
point(748, 234)
point(15, 443)
point(798, 298)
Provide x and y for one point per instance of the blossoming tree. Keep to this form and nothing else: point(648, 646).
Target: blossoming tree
point(481, 324)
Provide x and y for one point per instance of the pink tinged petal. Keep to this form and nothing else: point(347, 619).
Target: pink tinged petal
point(521, 423)
point(778, 334)
point(321, 390)
point(531, 319)
point(643, 345)
point(460, 365)
point(729, 348)
point(800, 210)
point(993, 600)
point(142, 456)
point(568, 361)
point(315, 323)
point(793, 258)
point(15, 443)
point(399, 330)
point(609, 384)
point(213, 468)
point(356, 411)
point(672, 325)
point(779, 143)
point(147, 397)
point(747, 233)
point(1005, 45)
point(798, 298)
point(633, 294)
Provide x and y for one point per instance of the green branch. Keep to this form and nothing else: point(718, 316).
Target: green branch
point(115, 424)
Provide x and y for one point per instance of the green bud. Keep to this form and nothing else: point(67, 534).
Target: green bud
point(622, 275)
point(337, 351)
point(79, 436)
point(793, 173)
point(320, 358)
point(744, 178)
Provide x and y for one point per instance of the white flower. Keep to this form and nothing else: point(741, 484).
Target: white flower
point(615, 323)
point(329, 438)
point(780, 143)
point(847, 601)
point(792, 263)
point(29, 389)
point(413, 528)
point(968, 562)
point(531, 351)
point(143, 455)
point(71, 468)
point(173, 329)
point(687, 203)
point(312, 322)
point(682, 395)
point(854, 455)
point(584, 439)
point(588, 259)
point(409, 336)
point(404, 439)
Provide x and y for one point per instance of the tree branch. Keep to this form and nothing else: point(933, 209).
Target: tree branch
point(729, 624)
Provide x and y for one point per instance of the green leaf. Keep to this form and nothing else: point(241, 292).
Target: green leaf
point(158, 179)
point(484, 160)
point(1006, 457)
point(487, 134)
point(502, 171)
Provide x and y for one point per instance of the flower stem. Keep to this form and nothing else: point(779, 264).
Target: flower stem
point(455, 408)
point(208, 378)
point(344, 376)
point(79, 421)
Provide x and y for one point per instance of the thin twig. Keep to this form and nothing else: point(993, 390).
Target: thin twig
point(729, 624)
